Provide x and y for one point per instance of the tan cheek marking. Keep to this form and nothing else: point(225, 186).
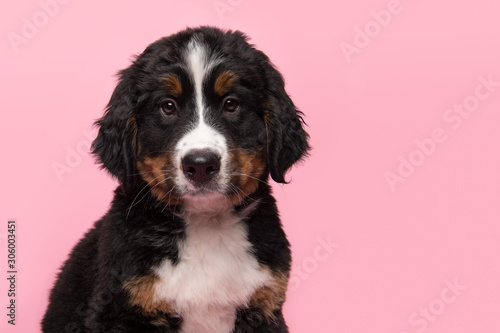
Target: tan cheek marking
point(141, 293)
point(249, 167)
point(224, 82)
point(173, 85)
point(271, 298)
point(153, 171)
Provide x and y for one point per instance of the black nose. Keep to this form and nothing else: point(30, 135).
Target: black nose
point(200, 165)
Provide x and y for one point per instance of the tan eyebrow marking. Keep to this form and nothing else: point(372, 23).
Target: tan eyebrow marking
point(224, 82)
point(173, 85)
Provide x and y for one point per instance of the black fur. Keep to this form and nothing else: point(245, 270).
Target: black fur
point(136, 235)
point(115, 146)
point(288, 141)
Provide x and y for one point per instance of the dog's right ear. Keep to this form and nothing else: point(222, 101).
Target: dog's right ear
point(115, 144)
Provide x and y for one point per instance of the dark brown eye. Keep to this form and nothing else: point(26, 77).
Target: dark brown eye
point(230, 105)
point(168, 107)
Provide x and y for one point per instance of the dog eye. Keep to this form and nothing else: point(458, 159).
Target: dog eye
point(168, 107)
point(230, 104)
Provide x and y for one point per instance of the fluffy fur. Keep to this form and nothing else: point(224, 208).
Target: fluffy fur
point(192, 241)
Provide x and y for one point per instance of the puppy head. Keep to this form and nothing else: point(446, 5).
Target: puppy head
point(200, 114)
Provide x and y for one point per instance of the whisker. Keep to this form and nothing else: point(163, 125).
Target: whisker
point(148, 172)
point(236, 191)
point(150, 189)
point(169, 193)
point(247, 175)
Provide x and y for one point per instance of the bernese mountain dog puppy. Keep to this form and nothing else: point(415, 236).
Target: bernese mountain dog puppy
point(192, 241)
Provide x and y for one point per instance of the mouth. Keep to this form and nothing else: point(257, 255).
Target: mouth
point(206, 203)
point(202, 191)
point(214, 192)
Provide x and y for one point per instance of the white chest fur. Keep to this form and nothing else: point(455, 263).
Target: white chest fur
point(215, 274)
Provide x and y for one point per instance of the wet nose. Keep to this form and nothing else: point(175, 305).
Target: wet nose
point(201, 166)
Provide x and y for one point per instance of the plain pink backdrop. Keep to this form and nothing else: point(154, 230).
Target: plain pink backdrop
point(375, 79)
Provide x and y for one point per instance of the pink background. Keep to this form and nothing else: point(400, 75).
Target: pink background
point(397, 250)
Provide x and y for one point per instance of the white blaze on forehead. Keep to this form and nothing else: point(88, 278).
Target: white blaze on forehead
point(201, 135)
point(198, 64)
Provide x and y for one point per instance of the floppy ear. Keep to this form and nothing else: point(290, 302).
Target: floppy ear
point(115, 144)
point(288, 141)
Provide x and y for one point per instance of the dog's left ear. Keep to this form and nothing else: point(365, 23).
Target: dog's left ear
point(115, 144)
point(288, 141)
